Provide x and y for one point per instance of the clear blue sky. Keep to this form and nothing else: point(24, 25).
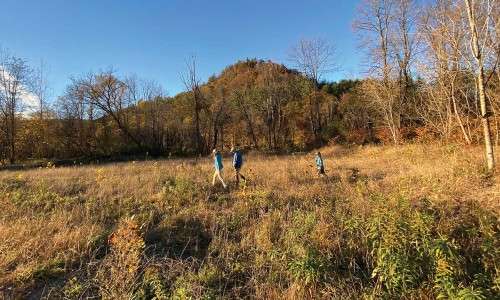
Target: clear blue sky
point(152, 38)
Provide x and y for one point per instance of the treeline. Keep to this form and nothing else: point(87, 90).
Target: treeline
point(431, 75)
point(254, 103)
point(433, 64)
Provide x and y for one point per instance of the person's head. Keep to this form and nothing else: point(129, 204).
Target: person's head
point(318, 154)
point(215, 151)
point(233, 149)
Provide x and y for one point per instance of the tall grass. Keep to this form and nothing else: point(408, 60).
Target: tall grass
point(413, 222)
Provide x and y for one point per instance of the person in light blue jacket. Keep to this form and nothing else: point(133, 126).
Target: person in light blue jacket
point(237, 164)
point(218, 167)
point(320, 165)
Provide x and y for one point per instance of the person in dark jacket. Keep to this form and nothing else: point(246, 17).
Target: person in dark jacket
point(237, 164)
point(320, 164)
point(218, 167)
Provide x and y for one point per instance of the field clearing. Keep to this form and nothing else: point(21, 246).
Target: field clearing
point(416, 221)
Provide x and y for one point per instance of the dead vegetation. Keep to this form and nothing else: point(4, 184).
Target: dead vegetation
point(413, 221)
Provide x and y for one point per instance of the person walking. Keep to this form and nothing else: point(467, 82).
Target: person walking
point(237, 164)
point(320, 165)
point(218, 168)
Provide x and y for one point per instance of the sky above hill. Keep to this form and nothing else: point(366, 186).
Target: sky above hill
point(153, 39)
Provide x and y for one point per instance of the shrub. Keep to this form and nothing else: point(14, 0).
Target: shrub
point(309, 269)
point(118, 275)
point(152, 286)
point(73, 289)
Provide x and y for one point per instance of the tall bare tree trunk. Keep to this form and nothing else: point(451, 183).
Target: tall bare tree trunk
point(476, 50)
point(192, 84)
point(12, 136)
point(196, 93)
point(457, 115)
point(250, 127)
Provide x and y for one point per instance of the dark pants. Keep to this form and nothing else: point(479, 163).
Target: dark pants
point(237, 175)
point(321, 171)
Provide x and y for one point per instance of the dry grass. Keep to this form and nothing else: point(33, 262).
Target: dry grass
point(287, 234)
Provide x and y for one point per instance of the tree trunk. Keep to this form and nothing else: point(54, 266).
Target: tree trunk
point(222, 137)
point(215, 135)
point(197, 121)
point(457, 115)
point(250, 127)
point(490, 159)
point(12, 135)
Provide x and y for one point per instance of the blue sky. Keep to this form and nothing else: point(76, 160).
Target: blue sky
point(152, 39)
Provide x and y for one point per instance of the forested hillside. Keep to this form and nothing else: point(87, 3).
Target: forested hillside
point(257, 104)
point(431, 74)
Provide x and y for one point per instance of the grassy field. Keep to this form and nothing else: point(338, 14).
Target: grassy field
point(414, 222)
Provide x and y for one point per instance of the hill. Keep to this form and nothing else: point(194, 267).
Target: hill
point(255, 103)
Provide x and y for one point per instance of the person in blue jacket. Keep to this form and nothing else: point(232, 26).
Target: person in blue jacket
point(237, 164)
point(218, 167)
point(320, 164)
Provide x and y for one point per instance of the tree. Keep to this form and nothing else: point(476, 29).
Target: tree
point(373, 25)
point(241, 100)
point(75, 123)
point(387, 32)
point(314, 58)
point(192, 84)
point(145, 98)
point(477, 42)
point(107, 93)
point(445, 103)
point(15, 79)
point(40, 90)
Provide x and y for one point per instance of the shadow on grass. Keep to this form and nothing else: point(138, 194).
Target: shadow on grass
point(78, 161)
point(182, 237)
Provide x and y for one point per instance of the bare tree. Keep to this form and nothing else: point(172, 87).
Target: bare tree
point(314, 58)
point(374, 26)
point(444, 102)
point(150, 103)
point(242, 99)
point(387, 33)
point(75, 133)
point(192, 84)
point(15, 79)
point(404, 40)
point(478, 38)
point(41, 89)
point(106, 92)
point(373, 23)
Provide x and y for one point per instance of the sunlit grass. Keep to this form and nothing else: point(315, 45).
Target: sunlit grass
point(407, 221)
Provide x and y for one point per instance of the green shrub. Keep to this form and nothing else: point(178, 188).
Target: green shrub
point(152, 287)
point(73, 289)
point(309, 269)
point(179, 192)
